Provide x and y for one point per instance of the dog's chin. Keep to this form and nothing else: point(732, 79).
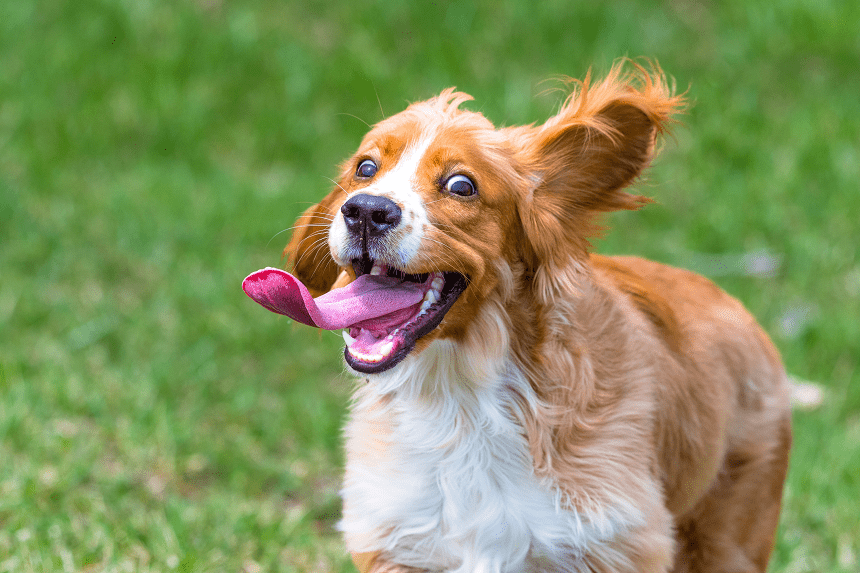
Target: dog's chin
point(373, 352)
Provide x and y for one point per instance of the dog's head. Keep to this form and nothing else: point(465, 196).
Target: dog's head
point(438, 198)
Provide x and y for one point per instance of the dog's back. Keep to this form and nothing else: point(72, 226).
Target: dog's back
point(722, 399)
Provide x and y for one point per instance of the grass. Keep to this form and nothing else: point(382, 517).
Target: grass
point(151, 154)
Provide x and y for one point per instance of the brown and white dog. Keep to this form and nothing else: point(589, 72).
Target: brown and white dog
point(539, 408)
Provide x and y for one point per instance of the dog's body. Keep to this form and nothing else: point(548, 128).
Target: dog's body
point(549, 409)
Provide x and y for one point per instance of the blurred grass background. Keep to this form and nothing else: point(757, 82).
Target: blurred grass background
point(152, 418)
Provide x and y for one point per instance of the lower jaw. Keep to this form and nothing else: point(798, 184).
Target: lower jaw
point(369, 367)
point(403, 343)
point(389, 350)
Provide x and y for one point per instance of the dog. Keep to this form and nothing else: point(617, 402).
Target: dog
point(525, 404)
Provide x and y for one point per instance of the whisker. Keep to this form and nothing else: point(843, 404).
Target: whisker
point(312, 248)
point(355, 116)
point(309, 203)
point(305, 225)
point(378, 100)
point(443, 225)
point(322, 233)
point(275, 235)
point(443, 260)
point(448, 256)
point(451, 256)
point(319, 262)
point(316, 233)
point(450, 263)
point(321, 236)
point(316, 247)
point(336, 183)
point(324, 215)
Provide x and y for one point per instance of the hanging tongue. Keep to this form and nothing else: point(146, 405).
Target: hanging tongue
point(367, 297)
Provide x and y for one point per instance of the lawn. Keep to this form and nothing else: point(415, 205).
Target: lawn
point(154, 152)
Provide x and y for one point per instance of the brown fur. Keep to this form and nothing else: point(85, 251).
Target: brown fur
point(657, 389)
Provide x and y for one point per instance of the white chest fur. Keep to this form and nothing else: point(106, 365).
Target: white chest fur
point(439, 471)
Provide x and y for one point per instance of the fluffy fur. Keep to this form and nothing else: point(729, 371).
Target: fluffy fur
point(571, 412)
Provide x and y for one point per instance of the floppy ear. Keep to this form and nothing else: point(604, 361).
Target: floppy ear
point(307, 253)
point(581, 159)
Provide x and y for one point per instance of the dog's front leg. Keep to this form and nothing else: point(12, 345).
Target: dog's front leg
point(376, 562)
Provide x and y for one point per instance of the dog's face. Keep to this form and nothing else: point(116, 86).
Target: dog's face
point(437, 196)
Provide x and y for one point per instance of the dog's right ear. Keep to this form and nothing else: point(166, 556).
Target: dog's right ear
point(307, 253)
point(581, 160)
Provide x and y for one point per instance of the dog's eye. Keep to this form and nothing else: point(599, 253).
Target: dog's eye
point(460, 185)
point(366, 169)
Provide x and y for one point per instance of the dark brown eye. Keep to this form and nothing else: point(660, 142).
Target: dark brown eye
point(366, 169)
point(460, 185)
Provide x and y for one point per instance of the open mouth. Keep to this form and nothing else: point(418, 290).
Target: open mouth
point(384, 311)
point(377, 344)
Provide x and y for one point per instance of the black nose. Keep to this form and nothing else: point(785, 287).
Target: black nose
point(370, 214)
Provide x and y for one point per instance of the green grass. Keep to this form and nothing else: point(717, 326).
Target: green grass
point(152, 418)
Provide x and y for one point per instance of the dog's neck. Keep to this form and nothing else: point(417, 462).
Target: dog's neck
point(453, 375)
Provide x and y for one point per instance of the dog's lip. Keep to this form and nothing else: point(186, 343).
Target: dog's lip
point(373, 352)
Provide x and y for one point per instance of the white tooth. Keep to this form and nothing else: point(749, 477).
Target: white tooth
point(386, 349)
point(425, 305)
point(371, 357)
point(437, 283)
point(376, 270)
point(357, 354)
point(348, 339)
point(431, 296)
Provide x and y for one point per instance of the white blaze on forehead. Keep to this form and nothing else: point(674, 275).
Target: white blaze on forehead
point(400, 185)
point(404, 175)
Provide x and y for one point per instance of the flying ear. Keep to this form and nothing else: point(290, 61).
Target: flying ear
point(582, 158)
point(307, 253)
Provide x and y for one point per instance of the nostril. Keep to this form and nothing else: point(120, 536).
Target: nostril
point(349, 211)
point(382, 217)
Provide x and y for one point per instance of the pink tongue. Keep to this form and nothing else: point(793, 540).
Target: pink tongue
point(366, 298)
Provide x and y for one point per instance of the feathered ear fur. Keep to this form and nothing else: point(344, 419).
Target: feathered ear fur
point(307, 253)
point(582, 158)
